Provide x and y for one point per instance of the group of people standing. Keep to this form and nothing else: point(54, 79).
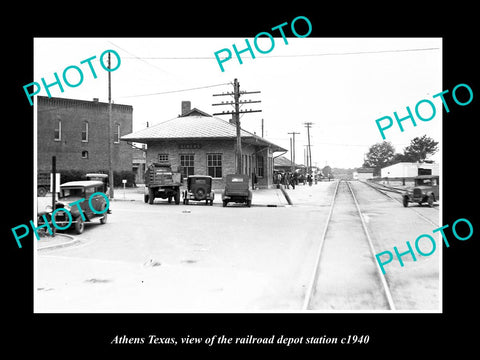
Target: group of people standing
point(292, 179)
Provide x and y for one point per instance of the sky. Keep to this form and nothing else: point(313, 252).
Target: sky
point(341, 85)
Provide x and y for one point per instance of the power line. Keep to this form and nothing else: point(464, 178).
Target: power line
point(139, 58)
point(284, 56)
point(173, 91)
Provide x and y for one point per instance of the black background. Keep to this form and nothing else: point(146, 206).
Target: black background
point(406, 334)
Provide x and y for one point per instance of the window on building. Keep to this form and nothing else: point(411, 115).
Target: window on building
point(162, 157)
point(84, 154)
point(260, 166)
point(58, 131)
point(187, 164)
point(214, 165)
point(116, 134)
point(85, 131)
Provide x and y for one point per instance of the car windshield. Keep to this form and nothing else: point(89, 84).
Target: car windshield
point(73, 192)
point(426, 182)
point(200, 181)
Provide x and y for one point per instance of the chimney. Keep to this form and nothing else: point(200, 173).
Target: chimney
point(186, 107)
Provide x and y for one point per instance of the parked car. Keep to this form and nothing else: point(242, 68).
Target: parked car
point(100, 177)
point(162, 182)
point(237, 190)
point(43, 183)
point(426, 190)
point(71, 192)
point(199, 188)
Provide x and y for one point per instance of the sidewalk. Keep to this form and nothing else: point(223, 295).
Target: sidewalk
point(261, 197)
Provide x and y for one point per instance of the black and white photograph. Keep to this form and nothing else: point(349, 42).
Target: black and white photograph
point(207, 175)
point(228, 178)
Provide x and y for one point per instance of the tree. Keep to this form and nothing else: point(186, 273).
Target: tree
point(420, 148)
point(401, 158)
point(327, 170)
point(379, 155)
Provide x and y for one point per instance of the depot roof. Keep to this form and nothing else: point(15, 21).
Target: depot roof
point(196, 127)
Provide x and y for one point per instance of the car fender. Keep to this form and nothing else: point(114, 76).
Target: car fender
point(76, 214)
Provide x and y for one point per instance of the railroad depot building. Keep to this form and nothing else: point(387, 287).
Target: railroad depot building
point(201, 144)
point(76, 132)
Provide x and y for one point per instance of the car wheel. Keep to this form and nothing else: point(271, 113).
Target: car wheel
point(151, 197)
point(200, 193)
point(103, 220)
point(79, 225)
point(249, 203)
point(42, 191)
point(405, 201)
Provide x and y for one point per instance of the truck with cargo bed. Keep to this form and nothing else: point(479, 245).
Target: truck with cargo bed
point(162, 182)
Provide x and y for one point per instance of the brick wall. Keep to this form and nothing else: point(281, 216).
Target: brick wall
point(200, 149)
point(73, 115)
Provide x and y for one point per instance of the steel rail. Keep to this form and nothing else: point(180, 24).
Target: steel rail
point(310, 288)
point(386, 288)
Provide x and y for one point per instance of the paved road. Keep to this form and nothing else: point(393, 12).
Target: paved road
point(163, 257)
point(169, 258)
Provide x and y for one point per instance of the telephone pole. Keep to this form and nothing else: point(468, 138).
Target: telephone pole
point(236, 116)
point(110, 165)
point(309, 150)
point(293, 150)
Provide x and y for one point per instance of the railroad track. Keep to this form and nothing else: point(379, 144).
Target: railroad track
point(362, 283)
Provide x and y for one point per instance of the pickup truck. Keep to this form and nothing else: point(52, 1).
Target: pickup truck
point(426, 190)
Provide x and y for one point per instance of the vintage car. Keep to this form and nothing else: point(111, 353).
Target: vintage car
point(426, 190)
point(237, 190)
point(199, 188)
point(100, 177)
point(71, 192)
point(161, 181)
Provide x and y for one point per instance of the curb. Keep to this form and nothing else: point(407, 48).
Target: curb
point(72, 241)
point(287, 197)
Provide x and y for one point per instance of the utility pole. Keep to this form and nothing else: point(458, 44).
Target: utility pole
point(236, 117)
point(291, 155)
point(309, 151)
point(54, 186)
point(110, 165)
point(293, 149)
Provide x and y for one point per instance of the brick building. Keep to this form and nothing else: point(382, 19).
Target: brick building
point(76, 132)
point(205, 145)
